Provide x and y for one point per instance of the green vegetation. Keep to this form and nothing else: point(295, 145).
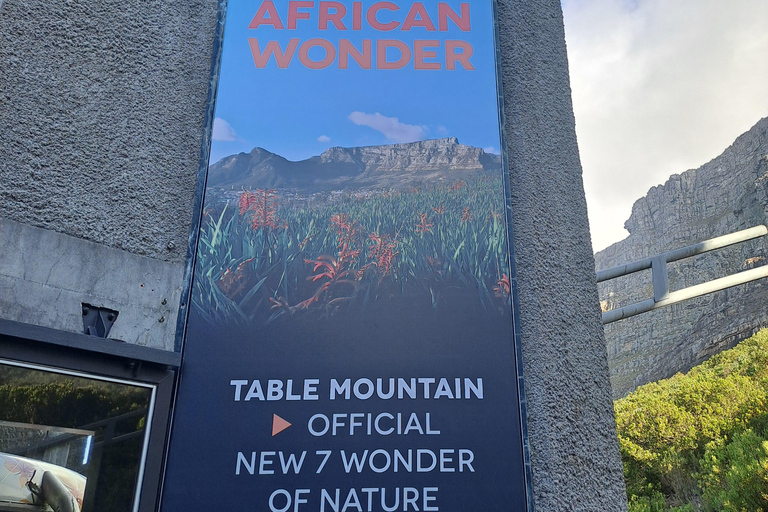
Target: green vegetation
point(699, 442)
point(274, 254)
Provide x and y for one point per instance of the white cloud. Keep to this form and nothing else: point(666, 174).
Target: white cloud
point(323, 138)
point(491, 149)
point(222, 131)
point(659, 87)
point(391, 127)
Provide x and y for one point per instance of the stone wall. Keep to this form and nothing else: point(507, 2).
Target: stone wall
point(102, 104)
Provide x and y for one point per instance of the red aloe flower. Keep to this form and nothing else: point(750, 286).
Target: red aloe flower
point(233, 283)
point(341, 221)
point(304, 242)
point(247, 201)
point(348, 233)
point(424, 224)
point(335, 270)
point(281, 303)
point(503, 286)
point(346, 230)
point(329, 266)
point(435, 264)
point(265, 209)
point(262, 205)
point(440, 210)
point(381, 251)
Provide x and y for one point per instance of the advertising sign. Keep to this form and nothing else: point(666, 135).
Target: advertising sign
point(350, 342)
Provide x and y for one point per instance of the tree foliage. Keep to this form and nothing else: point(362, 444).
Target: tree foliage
point(699, 441)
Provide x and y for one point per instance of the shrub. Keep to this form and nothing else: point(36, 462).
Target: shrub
point(697, 439)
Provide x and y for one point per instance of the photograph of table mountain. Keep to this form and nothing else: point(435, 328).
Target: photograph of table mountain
point(338, 183)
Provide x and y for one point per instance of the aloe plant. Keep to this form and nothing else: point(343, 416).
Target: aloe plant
point(266, 257)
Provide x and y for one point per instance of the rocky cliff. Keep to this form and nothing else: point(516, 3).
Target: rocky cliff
point(388, 166)
point(728, 194)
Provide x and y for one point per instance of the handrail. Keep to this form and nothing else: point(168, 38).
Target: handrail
point(685, 252)
point(659, 276)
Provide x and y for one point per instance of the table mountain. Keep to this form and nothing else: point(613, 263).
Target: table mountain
point(728, 194)
point(388, 166)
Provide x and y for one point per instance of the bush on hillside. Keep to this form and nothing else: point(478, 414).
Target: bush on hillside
point(695, 441)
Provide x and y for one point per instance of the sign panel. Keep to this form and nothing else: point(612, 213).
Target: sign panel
point(350, 343)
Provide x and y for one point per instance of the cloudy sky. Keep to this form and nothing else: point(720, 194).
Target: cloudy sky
point(299, 112)
point(659, 87)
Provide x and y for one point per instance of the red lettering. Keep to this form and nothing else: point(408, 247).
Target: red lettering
point(273, 48)
point(374, 9)
point(423, 20)
point(334, 17)
point(330, 53)
point(294, 14)
point(261, 19)
point(357, 15)
point(444, 12)
point(419, 54)
point(451, 57)
point(381, 54)
point(346, 50)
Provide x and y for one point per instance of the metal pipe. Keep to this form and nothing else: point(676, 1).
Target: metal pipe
point(685, 252)
point(686, 293)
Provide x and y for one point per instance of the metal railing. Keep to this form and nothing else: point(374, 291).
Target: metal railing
point(658, 265)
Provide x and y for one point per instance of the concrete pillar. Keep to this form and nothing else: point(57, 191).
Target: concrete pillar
point(571, 428)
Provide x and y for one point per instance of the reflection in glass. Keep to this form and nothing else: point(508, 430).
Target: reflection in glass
point(68, 442)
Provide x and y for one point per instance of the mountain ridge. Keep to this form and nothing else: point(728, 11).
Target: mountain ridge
point(384, 166)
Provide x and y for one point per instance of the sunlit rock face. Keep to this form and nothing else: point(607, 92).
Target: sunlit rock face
point(728, 194)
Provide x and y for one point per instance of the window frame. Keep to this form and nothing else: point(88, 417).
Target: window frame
point(108, 359)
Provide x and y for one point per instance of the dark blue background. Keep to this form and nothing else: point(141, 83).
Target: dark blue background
point(462, 341)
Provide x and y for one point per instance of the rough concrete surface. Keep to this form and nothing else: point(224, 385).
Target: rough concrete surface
point(102, 108)
point(45, 277)
point(574, 451)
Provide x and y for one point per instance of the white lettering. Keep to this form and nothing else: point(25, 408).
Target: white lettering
point(238, 386)
point(338, 389)
point(255, 391)
point(274, 390)
point(291, 462)
point(248, 467)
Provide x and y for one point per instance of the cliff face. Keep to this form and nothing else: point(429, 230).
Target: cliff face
point(388, 166)
point(728, 194)
point(423, 156)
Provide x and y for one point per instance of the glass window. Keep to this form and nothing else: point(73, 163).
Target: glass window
point(71, 442)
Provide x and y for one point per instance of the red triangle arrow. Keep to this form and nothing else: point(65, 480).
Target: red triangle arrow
point(278, 424)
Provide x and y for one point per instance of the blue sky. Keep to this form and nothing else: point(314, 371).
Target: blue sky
point(299, 112)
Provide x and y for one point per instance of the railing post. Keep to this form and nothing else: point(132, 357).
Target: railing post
point(660, 278)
